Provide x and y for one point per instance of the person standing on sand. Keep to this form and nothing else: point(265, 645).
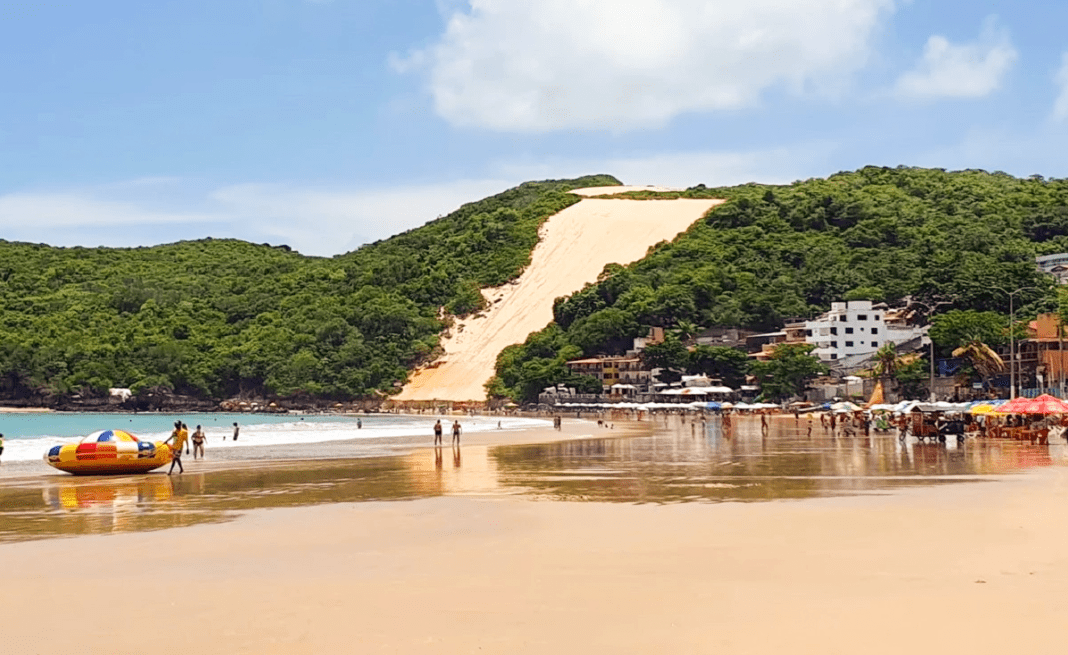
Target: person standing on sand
point(198, 442)
point(456, 431)
point(764, 424)
point(437, 433)
point(236, 430)
point(176, 447)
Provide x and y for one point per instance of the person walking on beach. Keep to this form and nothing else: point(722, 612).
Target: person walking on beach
point(176, 441)
point(236, 430)
point(764, 424)
point(185, 436)
point(437, 433)
point(198, 442)
point(1, 445)
point(456, 431)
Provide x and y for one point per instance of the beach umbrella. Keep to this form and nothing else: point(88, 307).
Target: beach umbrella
point(877, 395)
point(844, 406)
point(1044, 404)
point(985, 407)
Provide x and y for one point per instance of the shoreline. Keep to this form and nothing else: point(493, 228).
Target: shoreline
point(289, 455)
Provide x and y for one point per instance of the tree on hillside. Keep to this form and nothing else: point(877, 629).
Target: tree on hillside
point(787, 371)
point(670, 356)
point(959, 327)
point(727, 364)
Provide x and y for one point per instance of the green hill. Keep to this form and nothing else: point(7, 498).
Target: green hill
point(217, 318)
point(776, 252)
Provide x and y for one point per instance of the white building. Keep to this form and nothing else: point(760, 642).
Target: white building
point(1055, 265)
point(855, 328)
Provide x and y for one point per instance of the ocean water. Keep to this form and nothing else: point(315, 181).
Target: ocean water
point(28, 436)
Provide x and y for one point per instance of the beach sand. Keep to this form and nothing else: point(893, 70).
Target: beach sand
point(973, 567)
point(575, 246)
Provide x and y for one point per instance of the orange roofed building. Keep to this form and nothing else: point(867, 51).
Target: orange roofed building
point(1041, 353)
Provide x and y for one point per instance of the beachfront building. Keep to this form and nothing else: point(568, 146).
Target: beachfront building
point(1041, 358)
point(1055, 265)
point(856, 328)
point(613, 370)
point(760, 346)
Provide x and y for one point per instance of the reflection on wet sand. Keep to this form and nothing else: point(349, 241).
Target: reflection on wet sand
point(665, 460)
point(700, 461)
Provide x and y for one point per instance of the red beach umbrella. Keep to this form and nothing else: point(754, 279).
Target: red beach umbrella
point(1044, 404)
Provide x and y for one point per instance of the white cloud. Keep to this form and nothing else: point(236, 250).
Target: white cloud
point(971, 70)
point(76, 209)
point(541, 65)
point(1060, 107)
point(332, 221)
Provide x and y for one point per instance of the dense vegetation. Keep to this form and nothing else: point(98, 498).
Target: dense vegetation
point(217, 318)
point(954, 240)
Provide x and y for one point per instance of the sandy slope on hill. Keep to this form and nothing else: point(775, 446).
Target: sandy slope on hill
point(575, 246)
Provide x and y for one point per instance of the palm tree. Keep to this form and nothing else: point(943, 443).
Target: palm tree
point(685, 330)
point(983, 358)
point(886, 361)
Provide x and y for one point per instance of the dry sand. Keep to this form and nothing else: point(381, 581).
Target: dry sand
point(971, 568)
point(575, 246)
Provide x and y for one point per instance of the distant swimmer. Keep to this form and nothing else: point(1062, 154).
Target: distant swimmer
point(236, 430)
point(456, 431)
point(198, 442)
point(437, 433)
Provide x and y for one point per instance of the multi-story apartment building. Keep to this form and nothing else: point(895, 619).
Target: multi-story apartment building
point(856, 328)
point(613, 370)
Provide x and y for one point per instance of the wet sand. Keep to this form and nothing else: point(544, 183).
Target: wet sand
point(877, 552)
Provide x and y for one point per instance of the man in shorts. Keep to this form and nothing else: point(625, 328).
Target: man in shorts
point(456, 432)
point(437, 433)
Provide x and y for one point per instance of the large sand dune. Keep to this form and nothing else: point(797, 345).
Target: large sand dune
point(575, 246)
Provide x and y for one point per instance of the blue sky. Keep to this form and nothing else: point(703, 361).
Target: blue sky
point(326, 124)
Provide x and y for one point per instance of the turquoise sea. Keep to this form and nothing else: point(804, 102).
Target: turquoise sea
point(28, 436)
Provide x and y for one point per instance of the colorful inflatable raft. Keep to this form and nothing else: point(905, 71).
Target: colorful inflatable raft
point(109, 452)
